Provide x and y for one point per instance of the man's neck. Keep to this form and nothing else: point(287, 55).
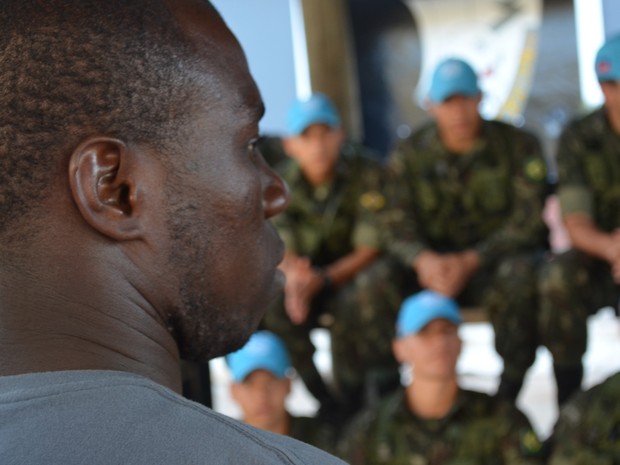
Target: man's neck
point(430, 398)
point(458, 145)
point(316, 180)
point(48, 327)
point(280, 425)
point(614, 120)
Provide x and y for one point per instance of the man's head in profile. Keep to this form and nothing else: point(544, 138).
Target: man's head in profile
point(134, 205)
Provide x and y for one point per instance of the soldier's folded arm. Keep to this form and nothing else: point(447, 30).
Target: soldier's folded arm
point(344, 269)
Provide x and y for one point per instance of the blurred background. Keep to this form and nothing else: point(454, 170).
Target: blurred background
point(373, 57)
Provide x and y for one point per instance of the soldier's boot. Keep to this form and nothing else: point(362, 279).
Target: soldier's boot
point(568, 380)
point(509, 389)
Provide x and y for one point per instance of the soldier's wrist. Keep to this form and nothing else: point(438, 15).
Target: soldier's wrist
point(327, 282)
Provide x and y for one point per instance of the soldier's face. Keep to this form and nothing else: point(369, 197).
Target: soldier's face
point(432, 352)
point(316, 150)
point(458, 116)
point(261, 397)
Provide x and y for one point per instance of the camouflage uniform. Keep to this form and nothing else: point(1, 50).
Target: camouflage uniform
point(313, 431)
point(573, 285)
point(477, 430)
point(588, 430)
point(489, 200)
point(325, 224)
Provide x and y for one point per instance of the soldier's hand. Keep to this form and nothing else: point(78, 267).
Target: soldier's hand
point(430, 268)
point(303, 283)
point(615, 270)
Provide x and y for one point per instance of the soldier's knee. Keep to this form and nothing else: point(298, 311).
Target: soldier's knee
point(558, 276)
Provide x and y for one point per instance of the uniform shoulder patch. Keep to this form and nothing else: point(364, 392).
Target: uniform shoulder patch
point(530, 444)
point(535, 169)
point(372, 200)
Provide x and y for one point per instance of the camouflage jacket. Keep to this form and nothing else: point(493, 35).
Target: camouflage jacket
point(314, 432)
point(478, 430)
point(588, 430)
point(489, 199)
point(327, 222)
point(588, 162)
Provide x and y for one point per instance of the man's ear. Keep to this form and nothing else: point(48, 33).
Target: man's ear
point(105, 188)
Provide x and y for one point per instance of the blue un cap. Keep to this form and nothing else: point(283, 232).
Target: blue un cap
point(420, 309)
point(453, 77)
point(264, 351)
point(318, 109)
point(607, 63)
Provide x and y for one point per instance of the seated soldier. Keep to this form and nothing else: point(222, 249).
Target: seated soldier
point(466, 216)
point(577, 283)
point(588, 430)
point(261, 382)
point(432, 420)
point(333, 264)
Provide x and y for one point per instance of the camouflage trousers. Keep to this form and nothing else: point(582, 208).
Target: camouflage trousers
point(572, 286)
point(361, 318)
point(507, 290)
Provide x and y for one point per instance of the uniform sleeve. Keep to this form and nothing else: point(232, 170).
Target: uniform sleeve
point(524, 228)
point(403, 235)
point(573, 192)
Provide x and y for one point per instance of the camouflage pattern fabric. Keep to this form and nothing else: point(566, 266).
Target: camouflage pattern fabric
point(572, 285)
point(478, 430)
point(314, 432)
point(361, 318)
point(326, 224)
point(508, 292)
point(329, 221)
point(588, 430)
point(588, 161)
point(490, 200)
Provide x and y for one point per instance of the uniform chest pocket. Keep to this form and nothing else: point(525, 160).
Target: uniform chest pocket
point(427, 196)
point(490, 189)
point(597, 172)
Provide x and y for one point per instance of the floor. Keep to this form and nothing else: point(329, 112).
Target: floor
point(478, 368)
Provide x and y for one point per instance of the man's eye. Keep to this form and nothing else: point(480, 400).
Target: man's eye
point(253, 145)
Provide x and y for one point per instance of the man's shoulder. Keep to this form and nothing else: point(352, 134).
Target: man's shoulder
point(358, 157)
point(479, 405)
point(130, 419)
point(497, 128)
point(601, 399)
point(592, 126)
point(422, 136)
point(419, 149)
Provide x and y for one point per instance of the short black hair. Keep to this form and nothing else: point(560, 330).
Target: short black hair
point(74, 68)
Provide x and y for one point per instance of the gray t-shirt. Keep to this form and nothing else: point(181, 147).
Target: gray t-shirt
point(109, 417)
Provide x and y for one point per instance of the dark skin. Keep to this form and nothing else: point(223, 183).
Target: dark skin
point(136, 256)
